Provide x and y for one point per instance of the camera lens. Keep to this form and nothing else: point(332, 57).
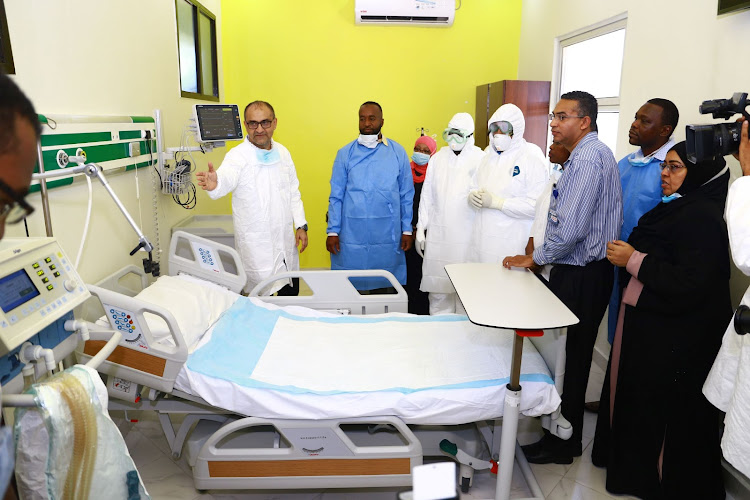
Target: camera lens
point(704, 142)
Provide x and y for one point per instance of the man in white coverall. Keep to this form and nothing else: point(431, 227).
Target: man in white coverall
point(728, 383)
point(269, 219)
point(444, 214)
point(510, 178)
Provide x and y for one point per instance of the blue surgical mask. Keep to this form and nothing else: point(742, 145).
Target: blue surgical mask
point(267, 156)
point(420, 158)
point(638, 160)
point(670, 198)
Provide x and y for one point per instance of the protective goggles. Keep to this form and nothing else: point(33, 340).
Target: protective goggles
point(456, 135)
point(501, 127)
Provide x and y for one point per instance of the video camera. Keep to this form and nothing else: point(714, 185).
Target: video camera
point(704, 142)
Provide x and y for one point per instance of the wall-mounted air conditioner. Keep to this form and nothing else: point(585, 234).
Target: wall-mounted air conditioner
point(405, 12)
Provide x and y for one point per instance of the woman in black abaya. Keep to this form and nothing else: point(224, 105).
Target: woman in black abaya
point(656, 433)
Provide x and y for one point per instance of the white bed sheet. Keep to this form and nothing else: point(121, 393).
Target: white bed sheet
point(430, 406)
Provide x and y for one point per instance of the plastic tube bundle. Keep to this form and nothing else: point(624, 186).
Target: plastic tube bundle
point(81, 467)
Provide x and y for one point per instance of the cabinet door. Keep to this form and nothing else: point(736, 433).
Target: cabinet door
point(533, 100)
point(481, 116)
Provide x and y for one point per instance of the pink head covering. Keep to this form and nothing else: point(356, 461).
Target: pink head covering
point(429, 142)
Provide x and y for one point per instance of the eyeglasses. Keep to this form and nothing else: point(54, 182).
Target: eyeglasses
point(252, 125)
point(16, 210)
point(502, 127)
point(561, 117)
point(673, 167)
point(456, 135)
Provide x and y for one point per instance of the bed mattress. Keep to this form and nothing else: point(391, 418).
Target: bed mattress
point(258, 359)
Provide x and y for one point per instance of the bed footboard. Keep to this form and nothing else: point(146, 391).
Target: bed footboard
point(333, 291)
point(296, 454)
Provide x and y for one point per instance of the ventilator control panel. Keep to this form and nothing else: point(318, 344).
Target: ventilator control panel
point(38, 285)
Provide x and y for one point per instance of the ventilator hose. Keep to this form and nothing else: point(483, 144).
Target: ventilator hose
point(81, 467)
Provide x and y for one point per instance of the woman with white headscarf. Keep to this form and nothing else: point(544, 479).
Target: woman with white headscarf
point(445, 219)
point(510, 178)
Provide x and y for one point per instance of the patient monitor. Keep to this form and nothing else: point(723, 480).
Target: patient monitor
point(38, 287)
point(217, 122)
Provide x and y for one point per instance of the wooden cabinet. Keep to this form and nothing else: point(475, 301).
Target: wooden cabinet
point(533, 99)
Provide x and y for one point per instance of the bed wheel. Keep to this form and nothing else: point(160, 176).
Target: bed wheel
point(465, 483)
point(176, 455)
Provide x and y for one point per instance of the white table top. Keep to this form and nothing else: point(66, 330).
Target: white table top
point(507, 298)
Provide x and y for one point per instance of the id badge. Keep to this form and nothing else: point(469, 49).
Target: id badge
point(552, 215)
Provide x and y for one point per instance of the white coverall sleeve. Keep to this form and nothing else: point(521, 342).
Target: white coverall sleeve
point(228, 175)
point(738, 223)
point(426, 199)
point(535, 179)
point(298, 211)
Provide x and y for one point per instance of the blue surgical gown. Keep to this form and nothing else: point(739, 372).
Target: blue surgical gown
point(641, 191)
point(370, 207)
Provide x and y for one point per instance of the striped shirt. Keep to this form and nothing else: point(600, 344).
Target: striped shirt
point(585, 207)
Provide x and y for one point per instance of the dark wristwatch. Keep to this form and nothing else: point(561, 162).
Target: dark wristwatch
point(303, 227)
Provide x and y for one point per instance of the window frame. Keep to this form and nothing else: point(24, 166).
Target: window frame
point(616, 23)
point(8, 66)
point(198, 10)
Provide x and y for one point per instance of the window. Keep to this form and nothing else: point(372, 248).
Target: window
point(6, 55)
point(591, 60)
point(196, 41)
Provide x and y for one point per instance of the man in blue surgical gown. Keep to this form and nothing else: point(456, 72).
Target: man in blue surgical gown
point(370, 206)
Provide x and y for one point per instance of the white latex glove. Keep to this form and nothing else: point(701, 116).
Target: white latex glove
point(419, 244)
point(475, 198)
point(489, 200)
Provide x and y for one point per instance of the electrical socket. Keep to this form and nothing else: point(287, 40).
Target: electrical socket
point(134, 149)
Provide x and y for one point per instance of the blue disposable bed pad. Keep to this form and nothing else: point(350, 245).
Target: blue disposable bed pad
point(239, 339)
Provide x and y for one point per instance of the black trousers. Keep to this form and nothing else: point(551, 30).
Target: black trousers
point(418, 300)
point(289, 291)
point(586, 291)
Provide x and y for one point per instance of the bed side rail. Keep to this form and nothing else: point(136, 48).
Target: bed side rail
point(334, 292)
point(138, 357)
point(207, 259)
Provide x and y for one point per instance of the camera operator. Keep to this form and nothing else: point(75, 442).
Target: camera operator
point(728, 384)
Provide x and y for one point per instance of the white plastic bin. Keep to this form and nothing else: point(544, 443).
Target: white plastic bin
point(218, 228)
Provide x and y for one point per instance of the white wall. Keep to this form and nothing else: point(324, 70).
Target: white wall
point(102, 57)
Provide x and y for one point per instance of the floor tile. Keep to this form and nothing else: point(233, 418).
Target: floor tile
point(568, 489)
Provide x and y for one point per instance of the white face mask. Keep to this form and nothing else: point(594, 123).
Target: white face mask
point(501, 142)
point(455, 145)
point(368, 141)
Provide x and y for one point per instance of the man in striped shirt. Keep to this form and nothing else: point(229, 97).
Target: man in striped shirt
point(585, 213)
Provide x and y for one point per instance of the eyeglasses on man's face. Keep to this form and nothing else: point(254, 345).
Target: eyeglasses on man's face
point(15, 210)
point(252, 125)
point(561, 117)
point(672, 167)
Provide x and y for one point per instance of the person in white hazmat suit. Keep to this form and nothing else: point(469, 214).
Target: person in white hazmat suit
point(509, 180)
point(269, 219)
point(445, 220)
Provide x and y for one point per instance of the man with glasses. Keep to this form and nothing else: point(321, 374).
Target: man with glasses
point(269, 219)
point(19, 133)
point(585, 213)
point(444, 213)
point(370, 206)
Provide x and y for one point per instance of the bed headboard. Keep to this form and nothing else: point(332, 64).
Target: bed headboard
point(206, 259)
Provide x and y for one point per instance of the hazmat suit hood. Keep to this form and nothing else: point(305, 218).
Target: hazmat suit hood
point(465, 123)
point(512, 114)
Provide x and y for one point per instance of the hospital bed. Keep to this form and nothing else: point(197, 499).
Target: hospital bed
point(280, 422)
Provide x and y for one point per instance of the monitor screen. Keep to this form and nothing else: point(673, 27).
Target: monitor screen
point(726, 6)
point(16, 289)
point(218, 122)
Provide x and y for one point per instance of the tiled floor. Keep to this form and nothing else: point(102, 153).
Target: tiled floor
point(166, 478)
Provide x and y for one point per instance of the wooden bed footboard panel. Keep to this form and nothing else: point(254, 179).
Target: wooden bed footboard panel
point(313, 467)
point(131, 358)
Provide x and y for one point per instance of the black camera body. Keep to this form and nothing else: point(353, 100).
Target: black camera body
point(705, 142)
